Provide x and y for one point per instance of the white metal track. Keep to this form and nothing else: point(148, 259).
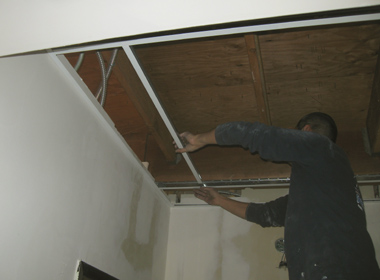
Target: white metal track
point(127, 45)
point(160, 109)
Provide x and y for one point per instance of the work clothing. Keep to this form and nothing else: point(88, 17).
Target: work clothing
point(323, 215)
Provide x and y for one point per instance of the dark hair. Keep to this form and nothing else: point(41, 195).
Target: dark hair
point(320, 123)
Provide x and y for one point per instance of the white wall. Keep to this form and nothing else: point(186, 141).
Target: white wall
point(42, 24)
point(206, 242)
point(372, 209)
point(70, 187)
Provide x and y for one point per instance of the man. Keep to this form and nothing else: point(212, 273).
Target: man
point(323, 215)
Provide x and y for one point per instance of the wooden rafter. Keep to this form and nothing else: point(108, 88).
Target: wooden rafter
point(254, 56)
point(373, 117)
point(132, 85)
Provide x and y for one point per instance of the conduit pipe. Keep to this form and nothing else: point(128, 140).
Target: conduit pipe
point(79, 61)
point(102, 90)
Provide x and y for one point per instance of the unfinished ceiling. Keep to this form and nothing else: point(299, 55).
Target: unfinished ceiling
point(272, 77)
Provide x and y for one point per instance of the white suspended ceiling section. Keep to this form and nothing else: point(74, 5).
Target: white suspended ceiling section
point(49, 24)
point(127, 45)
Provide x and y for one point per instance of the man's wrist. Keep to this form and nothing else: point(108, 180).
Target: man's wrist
point(221, 200)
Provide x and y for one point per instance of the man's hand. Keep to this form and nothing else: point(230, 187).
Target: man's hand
point(212, 197)
point(193, 142)
point(190, 143)
point(209, 195)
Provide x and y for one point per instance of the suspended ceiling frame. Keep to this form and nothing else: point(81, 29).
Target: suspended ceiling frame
point(128, 45)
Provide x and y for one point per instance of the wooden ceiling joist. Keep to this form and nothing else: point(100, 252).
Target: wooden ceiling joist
point(255, 62)
point(202, 83)
point(373, 117)
point(133, 86)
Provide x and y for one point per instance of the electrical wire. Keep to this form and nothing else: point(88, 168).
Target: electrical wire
point(102, 90)
point(79, 61)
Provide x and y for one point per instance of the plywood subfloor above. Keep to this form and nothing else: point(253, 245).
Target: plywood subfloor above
point(277, 76)
point(329, 70)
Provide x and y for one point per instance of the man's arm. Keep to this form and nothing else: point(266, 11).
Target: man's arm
point(241, 133)
point(195, 142)
point(212, 197)
point(272, 143)
point(270, 214)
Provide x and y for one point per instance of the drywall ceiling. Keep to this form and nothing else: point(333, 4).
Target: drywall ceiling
point(52, 24)
point(274, 77)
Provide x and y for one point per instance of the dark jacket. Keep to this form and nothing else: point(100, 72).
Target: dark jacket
point(325, 225)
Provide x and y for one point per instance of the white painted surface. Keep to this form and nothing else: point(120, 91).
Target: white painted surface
point(206, 242)
point(70, 187)
point(372, 209)
point(209, 243)
point(42, 24)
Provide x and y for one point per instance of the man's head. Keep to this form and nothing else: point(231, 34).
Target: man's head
point(320, 123)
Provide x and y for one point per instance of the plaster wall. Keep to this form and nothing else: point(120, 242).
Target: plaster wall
point(207, 242)
point(372, 209)
point(43, 24)
point(71, 189)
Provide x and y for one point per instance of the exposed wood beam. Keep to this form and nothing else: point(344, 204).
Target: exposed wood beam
point(254, 56)
point(373, 117)
point(132, 85)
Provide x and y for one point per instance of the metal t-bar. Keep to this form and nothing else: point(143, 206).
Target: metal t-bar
point(136, 65)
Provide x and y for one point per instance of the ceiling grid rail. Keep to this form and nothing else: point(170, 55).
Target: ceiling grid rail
point(127, 45)
point(140, 72)
point(362, 180)
point(224, 32)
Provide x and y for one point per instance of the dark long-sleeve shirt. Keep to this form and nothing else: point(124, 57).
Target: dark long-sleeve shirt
point(325, 226)
point(270, 214)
